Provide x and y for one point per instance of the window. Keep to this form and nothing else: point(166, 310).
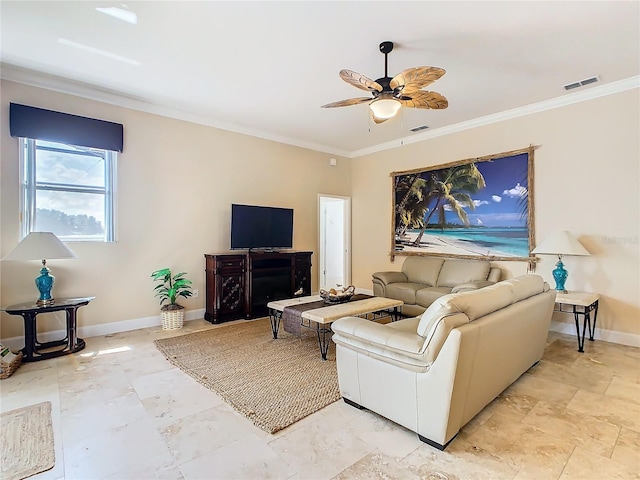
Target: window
point(68, 190)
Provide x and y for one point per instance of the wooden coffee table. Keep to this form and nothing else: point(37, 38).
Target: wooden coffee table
point(320, 319)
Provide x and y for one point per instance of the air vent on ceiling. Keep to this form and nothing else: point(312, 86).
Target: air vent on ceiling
point(588, 81)
point(581, 83)
point(417, 129)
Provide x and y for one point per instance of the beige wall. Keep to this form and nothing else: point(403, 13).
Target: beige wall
point(176, 183)
point(587, 179)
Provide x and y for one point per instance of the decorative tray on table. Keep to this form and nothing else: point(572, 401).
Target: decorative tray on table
point(334, 296)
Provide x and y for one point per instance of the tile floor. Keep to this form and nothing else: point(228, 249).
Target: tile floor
point(121, 411)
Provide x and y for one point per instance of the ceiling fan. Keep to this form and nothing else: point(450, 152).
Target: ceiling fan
point(389, 94)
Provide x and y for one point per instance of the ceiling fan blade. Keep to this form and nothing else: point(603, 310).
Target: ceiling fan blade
point(346, 103)
point(422, 99)
point(413, 79)
point(360, 81)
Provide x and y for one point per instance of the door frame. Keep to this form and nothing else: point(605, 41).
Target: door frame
point(347, 238)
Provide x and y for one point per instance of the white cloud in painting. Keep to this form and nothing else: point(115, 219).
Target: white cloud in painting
point(476, 204)
point(496, 198)
point(517, 191)
point(504, 216)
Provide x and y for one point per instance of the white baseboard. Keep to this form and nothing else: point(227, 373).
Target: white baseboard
point(612, 336)
point(16, 343)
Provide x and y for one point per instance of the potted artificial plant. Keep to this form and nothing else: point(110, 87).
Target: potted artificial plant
point(169, 288)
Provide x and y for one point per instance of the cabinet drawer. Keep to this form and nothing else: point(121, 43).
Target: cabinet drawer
point(303, 261)
point(230, 263)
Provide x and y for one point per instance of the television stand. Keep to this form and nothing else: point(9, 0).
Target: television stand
point(239, 285)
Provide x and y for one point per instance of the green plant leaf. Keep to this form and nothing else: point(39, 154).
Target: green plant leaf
point(171, 286)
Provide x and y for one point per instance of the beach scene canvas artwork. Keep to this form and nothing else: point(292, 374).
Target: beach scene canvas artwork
point(478, 207)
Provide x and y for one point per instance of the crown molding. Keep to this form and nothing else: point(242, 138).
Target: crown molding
point(59, 84)
point(56, 83)
point(568, 99)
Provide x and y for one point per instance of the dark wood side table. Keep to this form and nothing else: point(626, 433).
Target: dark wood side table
point(33, 349)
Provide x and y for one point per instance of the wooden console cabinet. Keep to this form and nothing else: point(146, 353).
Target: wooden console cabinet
point(239, 285)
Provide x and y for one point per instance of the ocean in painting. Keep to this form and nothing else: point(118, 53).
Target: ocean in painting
point(487, 240)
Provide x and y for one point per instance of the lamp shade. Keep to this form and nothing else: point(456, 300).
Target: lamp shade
point(560, 243)
point(385, 108)
point(40, 246)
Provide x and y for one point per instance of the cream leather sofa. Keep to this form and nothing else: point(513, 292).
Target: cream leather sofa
point(434, 373)
point(423, 279)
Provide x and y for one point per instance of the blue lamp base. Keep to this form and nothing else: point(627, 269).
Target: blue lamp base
point(45, 283)
point(560, 276)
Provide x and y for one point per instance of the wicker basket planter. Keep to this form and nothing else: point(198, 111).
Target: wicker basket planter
point(7, 369)
point(170, 287)
point(172, 319)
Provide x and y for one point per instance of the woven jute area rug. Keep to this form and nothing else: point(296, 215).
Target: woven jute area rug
point(274, 383)
point(26, 442)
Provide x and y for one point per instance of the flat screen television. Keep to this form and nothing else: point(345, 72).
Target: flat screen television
point(256, 227)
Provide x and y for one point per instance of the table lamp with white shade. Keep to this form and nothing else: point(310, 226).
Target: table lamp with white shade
point(560, 243)
point(41, 246)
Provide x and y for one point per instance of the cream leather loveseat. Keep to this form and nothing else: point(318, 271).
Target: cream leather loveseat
point(423, 279)
point(434, 373)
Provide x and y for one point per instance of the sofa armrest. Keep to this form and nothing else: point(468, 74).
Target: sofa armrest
point(366, 334)
point(494, 274)
point(385, 278)
point(468, 286)
point(396, 346)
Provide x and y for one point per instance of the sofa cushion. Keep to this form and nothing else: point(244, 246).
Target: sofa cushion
point(526, 286)
point(467, 287)
point(454, 272)
point(426, 296)
point(473, 304)
point(478, 303)
point(403, 291)
point(422, 270)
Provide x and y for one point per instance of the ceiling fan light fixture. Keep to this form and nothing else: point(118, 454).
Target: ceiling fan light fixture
point(389, 94)
point(385, 108)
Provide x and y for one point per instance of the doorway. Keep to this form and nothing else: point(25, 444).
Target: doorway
point(334, 214)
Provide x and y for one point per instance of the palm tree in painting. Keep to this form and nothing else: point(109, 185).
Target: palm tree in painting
point(412, 218)
point(523, 201)
point(411, 208)
point(451, 187)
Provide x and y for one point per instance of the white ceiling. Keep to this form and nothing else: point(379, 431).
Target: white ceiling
point(265, 68)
